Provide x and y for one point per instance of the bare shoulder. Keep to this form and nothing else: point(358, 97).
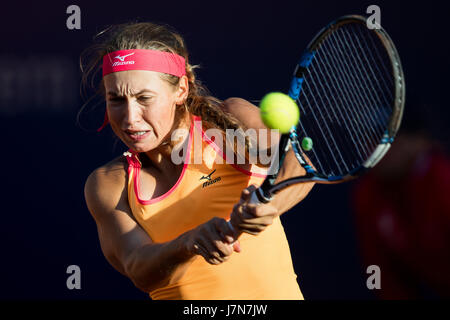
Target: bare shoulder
point(234, 102)
point(246, 112)
point(112, 173)
point(105, 186)
point(107, 200)
point(249, 115)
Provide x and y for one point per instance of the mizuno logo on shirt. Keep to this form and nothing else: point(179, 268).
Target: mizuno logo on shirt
point(209, 181)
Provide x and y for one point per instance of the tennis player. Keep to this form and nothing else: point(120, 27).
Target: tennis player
point(164, 224)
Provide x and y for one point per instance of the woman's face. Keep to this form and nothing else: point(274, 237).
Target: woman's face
point(141, 107)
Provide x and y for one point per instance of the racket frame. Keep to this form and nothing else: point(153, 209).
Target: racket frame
point(269, 188)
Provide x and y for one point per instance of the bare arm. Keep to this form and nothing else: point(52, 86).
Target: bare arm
point(124, 243)
point(127, 246)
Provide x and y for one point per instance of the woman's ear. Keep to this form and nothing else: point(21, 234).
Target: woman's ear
point(182, 91)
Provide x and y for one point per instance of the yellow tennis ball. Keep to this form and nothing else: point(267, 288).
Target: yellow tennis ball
point(279, 111)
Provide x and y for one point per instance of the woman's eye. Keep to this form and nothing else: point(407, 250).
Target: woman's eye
point(116, 99)
point(145, 98)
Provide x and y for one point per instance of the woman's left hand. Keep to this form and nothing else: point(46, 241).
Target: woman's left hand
point(252, 218)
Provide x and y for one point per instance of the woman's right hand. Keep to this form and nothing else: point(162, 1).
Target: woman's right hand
point(213, 240)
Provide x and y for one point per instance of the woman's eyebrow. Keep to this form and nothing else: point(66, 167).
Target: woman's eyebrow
point(115, 94)
point(112, 93)
point(145, 91)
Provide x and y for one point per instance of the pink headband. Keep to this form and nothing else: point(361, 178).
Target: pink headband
point(144, 59)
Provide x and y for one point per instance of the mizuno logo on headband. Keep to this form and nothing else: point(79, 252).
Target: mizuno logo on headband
point(121, 58)
point(117, 63)
point(144, 59)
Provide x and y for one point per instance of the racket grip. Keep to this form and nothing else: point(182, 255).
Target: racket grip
point(236, 234)
point(254, 198)
point(231, 227)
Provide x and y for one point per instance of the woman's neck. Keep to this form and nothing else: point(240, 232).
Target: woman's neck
point(161, 156)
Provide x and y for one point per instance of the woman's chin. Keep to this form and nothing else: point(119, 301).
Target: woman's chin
point(142, 146)
point(139, 147)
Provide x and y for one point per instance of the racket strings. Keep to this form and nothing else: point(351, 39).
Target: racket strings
point(341, 106)
point(379, 61)
point(375, 73)
point(347, 99)
point(344, 102)
point(323, 131)
point(355, 87)
point(333, 117)
point(315, 157)
point(336, 137)
point(386, 77)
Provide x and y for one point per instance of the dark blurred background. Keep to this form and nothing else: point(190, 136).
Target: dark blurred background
point(245, 49)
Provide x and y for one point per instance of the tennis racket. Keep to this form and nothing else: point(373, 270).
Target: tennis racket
point(350, 89)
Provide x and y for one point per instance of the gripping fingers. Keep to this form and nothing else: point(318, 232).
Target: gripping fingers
point(210, 258)
point(225, 230)
point(262, 221)
point(246, 193)
point(214, 244)
point(224, 243)
point(254, 219)
point(259, 214)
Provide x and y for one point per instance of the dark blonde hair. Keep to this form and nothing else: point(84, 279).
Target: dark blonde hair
point(146, 35)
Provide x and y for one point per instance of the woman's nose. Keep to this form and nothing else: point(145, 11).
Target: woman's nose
point(133, 114)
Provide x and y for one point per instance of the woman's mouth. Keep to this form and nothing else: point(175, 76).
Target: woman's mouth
point(138, 135)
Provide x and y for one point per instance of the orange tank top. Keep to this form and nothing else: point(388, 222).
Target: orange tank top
point(205, 189)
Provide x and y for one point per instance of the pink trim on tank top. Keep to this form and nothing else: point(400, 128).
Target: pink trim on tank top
point(220, 152)
point(137, 185)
